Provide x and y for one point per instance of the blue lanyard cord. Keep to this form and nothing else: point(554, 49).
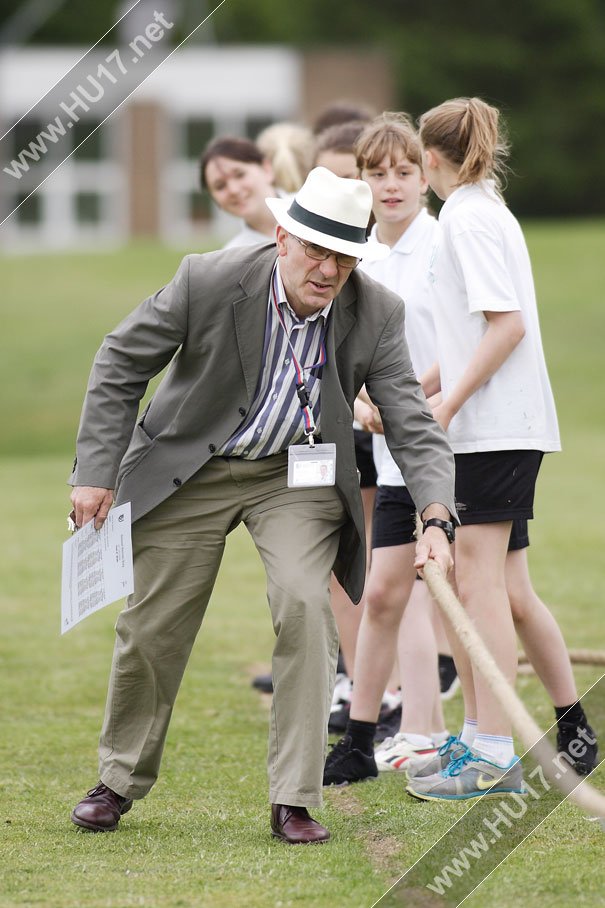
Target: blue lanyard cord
point(301, 387)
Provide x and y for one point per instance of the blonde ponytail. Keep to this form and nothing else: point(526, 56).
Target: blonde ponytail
point(469, 133)
point(289, 147)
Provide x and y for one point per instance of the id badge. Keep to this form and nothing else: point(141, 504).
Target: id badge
point(311, 466)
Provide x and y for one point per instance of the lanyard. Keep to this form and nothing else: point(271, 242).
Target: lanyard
point(301, 388)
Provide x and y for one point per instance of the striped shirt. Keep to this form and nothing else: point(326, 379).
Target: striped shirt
point(275, 419)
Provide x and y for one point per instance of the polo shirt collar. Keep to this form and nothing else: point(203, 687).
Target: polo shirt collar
point(486, 187)
point(406, 243)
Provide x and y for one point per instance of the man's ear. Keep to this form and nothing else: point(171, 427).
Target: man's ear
point(281, 236)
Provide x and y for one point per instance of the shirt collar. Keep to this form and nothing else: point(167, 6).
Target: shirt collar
point(283, 301)
point(410, 238)
point(483, 187)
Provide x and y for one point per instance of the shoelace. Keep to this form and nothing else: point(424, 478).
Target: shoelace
point(98, 789)
point(447, 745)
point(456, 766)
point(102, 789)
point(341, 747)
point(568, 731)
point(389, 742)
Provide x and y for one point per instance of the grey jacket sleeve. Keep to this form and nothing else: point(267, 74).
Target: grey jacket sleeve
point(130, 356)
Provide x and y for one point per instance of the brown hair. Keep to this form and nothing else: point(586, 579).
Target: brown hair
point(390, 134)
point(470, 135)
point(340, 138)
point(339, 112)
point(232, 147)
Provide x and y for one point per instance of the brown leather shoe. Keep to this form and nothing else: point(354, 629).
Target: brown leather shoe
point(100, 810)
point(295, 826)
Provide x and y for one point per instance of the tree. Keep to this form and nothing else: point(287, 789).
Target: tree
point(542, 63)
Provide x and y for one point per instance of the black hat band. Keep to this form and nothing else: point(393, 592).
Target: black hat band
point(326, 225)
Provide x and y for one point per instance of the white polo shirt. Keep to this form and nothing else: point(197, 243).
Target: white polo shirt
point(482, 265)
point(406, 272)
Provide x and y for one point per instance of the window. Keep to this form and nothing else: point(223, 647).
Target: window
point(88, 207)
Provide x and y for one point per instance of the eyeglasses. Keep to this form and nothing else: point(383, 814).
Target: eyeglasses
point(313, 251)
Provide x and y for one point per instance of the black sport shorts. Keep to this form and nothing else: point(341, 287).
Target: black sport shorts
point(519, 535)
point(394, 520)
point(495, 486)
point(365, 458)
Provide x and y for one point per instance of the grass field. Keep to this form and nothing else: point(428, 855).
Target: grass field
point(202, 837)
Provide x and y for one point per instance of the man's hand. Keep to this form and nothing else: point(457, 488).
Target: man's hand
point(90, 502)
point(433, 546)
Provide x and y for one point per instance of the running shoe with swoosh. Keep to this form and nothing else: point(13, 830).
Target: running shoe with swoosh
point(471, 776)
point(419, 767)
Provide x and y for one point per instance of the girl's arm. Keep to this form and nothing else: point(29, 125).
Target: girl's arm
point(504, 331)
point(431, 380)
point(366, 414)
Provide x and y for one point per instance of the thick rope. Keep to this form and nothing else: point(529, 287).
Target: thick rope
point(576, 656)
point(583, 794)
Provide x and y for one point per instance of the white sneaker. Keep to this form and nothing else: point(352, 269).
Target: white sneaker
point(343, 691)
point(391, 699)
point(394, 753)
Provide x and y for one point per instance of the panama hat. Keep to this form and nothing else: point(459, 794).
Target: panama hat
point(330, 211)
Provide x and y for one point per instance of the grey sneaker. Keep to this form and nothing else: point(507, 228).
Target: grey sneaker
point(471, 776)
point(421, 766)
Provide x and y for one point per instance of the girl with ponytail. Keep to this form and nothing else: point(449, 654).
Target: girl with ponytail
point(491, 394)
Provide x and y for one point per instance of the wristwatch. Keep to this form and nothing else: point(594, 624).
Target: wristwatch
point(446, 525)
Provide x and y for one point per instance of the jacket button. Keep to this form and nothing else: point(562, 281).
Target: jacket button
point(242, 412)
point(177, 482)
point(212, 448)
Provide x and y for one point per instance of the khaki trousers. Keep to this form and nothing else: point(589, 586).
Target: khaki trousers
point(177, 551)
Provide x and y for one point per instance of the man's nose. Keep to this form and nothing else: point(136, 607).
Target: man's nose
point(329, 266)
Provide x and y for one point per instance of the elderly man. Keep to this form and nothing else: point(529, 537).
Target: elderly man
point(267, 349)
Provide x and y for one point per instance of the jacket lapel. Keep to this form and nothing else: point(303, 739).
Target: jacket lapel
point(342, 314)
point(250, 314)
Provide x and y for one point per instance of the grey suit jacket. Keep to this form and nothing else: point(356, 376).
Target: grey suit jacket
point(208, 323)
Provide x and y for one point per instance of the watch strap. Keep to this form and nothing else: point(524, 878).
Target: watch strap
point(446, 525)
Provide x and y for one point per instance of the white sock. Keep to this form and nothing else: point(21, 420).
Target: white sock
point(439, 737)
point(418, 740)
point(496, 748)
point(469, 730)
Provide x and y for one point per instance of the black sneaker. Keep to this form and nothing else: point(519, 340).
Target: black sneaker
point(263, 683)
point(346, 764)
point(448, 677)
point(337, 723)
point(581, 735)
point(389, 723)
